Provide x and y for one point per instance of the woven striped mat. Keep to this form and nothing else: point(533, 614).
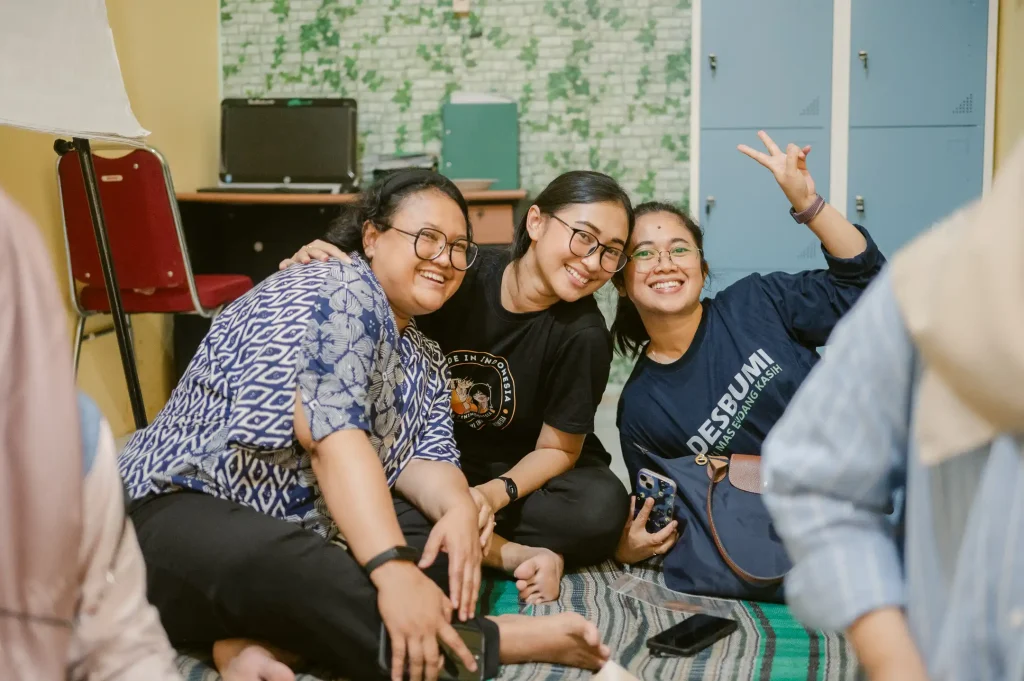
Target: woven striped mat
point(769, 644)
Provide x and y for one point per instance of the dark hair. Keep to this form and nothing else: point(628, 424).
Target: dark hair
point(379, 202)
point(628, 328)
point(576, 186)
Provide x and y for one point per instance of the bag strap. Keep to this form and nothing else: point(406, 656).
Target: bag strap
point(718, 467)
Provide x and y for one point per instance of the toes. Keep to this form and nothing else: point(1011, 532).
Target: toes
point(522, 584)
point(526, 570)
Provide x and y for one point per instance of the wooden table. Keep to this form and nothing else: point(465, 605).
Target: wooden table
point(491, 212)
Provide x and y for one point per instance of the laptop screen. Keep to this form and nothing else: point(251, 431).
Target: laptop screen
point(288, 140)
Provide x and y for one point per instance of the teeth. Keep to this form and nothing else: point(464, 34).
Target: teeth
point(433, 276)
point(576, 275)
point(667, 285)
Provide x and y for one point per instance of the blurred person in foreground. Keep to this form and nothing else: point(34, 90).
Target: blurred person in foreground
point(72, 583)
point(919, 392)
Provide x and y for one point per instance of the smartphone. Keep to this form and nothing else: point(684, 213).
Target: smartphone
point(663, 490)
point(453, 669)
point(691, 636)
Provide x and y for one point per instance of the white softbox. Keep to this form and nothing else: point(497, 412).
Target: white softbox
point(59, 72)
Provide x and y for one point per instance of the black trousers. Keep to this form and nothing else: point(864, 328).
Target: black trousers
point(216, 569)
point(579, 514)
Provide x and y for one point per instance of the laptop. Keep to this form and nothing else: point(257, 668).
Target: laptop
point(289, 145)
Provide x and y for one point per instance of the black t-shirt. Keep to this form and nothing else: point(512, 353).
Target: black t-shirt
point(511, 373)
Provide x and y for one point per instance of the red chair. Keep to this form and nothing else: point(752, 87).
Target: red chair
point(146, 242)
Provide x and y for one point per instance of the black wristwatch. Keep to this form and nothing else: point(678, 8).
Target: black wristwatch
point(510, 489)
point(406, 553)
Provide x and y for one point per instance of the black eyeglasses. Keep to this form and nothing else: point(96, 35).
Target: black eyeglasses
point(583, 243)
point(430, 243)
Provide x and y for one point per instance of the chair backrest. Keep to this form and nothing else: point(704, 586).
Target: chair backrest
point(142, 223)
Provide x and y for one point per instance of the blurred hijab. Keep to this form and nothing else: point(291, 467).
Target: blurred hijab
point(960, 288)
point(40, 459)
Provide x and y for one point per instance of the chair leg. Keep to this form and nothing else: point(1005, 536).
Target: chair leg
point(79, 332)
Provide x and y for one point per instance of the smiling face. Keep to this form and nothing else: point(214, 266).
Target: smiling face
point(665, 273)
point(568, 275)
point(415, 286)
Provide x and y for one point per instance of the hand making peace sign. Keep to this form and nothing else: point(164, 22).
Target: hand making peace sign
point(789, 169)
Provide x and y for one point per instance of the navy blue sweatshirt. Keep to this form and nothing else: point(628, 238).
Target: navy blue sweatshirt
point(756, 342)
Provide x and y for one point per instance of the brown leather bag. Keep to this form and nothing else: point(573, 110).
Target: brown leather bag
point(744, 473)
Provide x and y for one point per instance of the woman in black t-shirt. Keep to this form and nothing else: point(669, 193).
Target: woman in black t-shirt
point(529, 355)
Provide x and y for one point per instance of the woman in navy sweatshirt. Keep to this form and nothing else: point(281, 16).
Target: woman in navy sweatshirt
point(714, 376)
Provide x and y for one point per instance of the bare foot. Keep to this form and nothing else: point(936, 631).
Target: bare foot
point(565, 639)
point(242, 660)
point(539, 577)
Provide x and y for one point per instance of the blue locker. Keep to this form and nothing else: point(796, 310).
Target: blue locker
point(910, 178)
point(918, 62)
point(746, 220)
point(772, 63)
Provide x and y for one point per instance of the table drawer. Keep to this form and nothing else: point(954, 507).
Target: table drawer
point(492, 223)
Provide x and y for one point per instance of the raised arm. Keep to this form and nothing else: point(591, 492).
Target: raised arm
point(836, 233)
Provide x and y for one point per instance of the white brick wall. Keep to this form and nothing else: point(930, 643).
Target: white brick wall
point(612, 65)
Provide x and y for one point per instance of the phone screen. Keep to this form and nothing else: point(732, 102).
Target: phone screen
point(694, 633)
point(453, 669)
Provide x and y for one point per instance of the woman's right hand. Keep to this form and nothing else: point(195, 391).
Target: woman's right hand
point(417, 614)
point(318, 250)
point(636, 543)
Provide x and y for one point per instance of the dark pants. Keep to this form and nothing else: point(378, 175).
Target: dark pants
point(216, 569)
point(579, 514)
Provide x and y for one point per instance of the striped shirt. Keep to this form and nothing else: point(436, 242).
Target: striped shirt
point(842, 459)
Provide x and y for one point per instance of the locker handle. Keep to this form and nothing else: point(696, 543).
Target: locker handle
point(858, 202)
point(863, 55)
point(712, 62)
point(709, 204)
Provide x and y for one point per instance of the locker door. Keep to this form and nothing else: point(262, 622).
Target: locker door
point(923, 62)
point(746, 220)
point(773, 63)
point(910, 178)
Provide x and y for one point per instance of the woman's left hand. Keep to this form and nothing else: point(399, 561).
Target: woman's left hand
point(485, 517)
point(636, 543)
point(789, 169)
point(457, 534)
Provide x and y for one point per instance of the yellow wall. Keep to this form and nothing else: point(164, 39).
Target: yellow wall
point(169, 59)
point(1009, 78)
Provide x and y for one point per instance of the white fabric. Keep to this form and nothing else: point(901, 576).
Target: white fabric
point(59, 71)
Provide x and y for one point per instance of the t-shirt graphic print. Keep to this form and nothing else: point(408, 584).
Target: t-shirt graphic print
point(482, 389)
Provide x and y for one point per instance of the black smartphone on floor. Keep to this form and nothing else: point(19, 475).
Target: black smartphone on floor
point(453, 669)
point(691, 636)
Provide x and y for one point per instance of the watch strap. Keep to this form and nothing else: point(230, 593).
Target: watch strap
point(510, 488)
point(404, 553)
point(809, 213)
